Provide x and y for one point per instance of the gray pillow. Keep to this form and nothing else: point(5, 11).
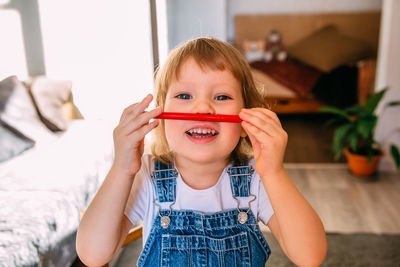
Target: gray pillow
point(6, 89)
point(12, 142)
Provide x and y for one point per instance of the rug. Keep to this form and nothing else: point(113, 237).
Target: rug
point(352, 250)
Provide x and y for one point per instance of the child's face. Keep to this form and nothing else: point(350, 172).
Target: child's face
point(203, 91)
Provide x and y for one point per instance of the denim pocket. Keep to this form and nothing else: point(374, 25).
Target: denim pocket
point(194, 250)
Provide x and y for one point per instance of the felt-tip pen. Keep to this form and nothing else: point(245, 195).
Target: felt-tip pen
point(199, 117)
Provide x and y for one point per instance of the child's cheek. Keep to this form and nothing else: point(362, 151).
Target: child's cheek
point(173, 131)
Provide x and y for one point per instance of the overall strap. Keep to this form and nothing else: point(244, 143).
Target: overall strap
point(164, 179)
point(240, 177)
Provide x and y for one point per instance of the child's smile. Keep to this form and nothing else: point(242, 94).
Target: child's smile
point(205, 91)
point(202, 133)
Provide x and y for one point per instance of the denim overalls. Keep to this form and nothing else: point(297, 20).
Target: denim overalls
point(188, 238)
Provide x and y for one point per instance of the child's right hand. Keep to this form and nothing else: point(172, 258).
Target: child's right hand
point(129, 135)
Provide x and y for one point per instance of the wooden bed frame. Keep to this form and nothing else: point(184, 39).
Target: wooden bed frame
point(366, 78)
point(293, 27)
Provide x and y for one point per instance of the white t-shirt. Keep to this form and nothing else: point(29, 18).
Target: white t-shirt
point(140, 205)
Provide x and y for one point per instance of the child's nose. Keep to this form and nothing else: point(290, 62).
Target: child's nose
point(203, 106)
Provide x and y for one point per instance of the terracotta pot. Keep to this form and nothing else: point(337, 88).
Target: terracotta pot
point(359, 164)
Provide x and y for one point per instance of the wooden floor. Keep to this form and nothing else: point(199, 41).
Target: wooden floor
point(346, 203)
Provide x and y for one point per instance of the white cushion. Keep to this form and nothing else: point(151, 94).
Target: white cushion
point(21, 114)
point(50, 96)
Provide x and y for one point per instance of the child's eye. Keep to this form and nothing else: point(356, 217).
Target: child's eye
point(184, 96)
point(222, 97)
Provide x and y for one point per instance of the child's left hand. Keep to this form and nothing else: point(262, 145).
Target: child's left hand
point(267, 138)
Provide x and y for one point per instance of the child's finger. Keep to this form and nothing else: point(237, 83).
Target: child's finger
point(142, 131)
point(136, 108)
point(142, 105)
point(141, 120)
point(126, 111)
point(253, 140)
point(269, 113)
point(255, 144)
point(261, 122)
point(259, 135)
point(263, 114)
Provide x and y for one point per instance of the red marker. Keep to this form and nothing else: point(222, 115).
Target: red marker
point(199, 117)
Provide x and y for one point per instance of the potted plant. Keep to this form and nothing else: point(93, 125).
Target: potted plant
point(354, 135)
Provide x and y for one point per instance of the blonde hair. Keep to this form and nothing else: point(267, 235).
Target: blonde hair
point(216, 55)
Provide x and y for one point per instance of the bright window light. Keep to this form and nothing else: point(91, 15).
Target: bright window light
point(12, 52)
point(162, 28)
point(104, 47)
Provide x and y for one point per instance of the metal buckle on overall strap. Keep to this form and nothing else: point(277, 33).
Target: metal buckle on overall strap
point(251, 170)
point(243, 215)
point(153, 174)
point(165, 221)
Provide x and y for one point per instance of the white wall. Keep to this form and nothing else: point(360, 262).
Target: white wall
point(388, 75)
point(188, 19)
point(103, 46)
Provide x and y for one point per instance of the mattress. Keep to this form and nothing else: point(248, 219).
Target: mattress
point(43, 191)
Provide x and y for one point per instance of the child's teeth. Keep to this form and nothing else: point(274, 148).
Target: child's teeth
point(202, 131)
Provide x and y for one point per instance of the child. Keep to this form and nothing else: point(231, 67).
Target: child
point(201, 194)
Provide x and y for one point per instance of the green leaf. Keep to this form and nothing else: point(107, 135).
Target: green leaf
point(335, 111)
point(354, 109)
point(393, 103)
point(373, 102)
point(366, 125)
point(395, 155)
point(353, 141)
point(339, 139)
